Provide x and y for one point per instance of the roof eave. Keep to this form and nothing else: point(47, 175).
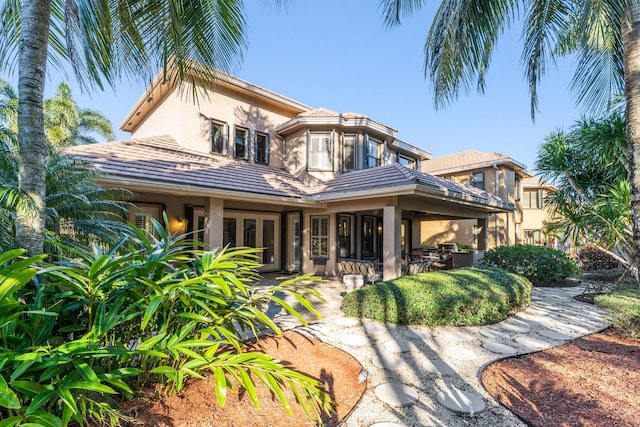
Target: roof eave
point(346, 122)
point(464, 199)
point(338, 196)
point(182, 189)
point(519, 167)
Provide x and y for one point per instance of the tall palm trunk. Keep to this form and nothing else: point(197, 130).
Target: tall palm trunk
point(34, 35)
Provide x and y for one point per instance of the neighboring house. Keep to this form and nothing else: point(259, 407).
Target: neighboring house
point(536, 215)
point(495, 173)
point(249, 167)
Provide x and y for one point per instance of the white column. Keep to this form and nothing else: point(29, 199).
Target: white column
point(215, 222)
point(391, 242)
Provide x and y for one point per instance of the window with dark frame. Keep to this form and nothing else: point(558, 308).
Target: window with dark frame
point(530, 199)
point(216, 136)
point(320, 236)
point(240, 143)
point(407, 161)
point(477, 180)
point(262, 148)
point(348, 153)
point(375, 151)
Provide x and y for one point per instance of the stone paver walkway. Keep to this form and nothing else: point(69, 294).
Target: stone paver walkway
point(421, 376)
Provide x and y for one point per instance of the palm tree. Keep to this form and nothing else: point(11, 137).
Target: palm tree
point(604, 36)
point(104, 41)
point(588, 165)
point(66, 124)
point(77, 209)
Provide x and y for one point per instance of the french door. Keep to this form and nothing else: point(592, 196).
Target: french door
point(255, 231)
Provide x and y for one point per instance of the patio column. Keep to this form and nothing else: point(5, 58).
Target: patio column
point(416, 233)
point(483, 235)
point(215, 222)
point(391, 242)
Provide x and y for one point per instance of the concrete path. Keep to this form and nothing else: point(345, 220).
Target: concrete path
point(422, 376)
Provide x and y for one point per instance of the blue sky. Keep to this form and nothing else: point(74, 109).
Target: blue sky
point(338, 55)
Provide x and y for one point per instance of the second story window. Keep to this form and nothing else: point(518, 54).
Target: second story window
point(531, 199)
point(240, 143)
point(477, 180)
point(348, 153)
point(262, 148)
point(319, 149)
point(407, 161)
point(375, 151)
point(216, 135)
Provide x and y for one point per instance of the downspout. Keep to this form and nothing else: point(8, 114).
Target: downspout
point(497, 193)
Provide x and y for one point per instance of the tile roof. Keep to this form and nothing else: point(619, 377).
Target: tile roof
point(161, 160)
point(465, 160)
point(394, 175)
point(534, 181)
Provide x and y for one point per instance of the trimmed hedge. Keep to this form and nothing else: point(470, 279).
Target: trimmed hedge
point(464, 296)
point(539, 264)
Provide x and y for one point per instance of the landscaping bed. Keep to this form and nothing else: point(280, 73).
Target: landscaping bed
point(196, 404)
point(593, 381)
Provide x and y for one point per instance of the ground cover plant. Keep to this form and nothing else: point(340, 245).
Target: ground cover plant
point(623, 307)
point(539, 264)
point(77, 335)
point(465, 296)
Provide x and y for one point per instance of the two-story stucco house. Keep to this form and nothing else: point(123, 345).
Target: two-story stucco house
point(536, 214)
point(495, 173)
point(250, 167)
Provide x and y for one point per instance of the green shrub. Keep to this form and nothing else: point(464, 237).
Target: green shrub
point(591, 259)
point(465, 296)
point(623, 306)
point(100, 322)
point(539, 264)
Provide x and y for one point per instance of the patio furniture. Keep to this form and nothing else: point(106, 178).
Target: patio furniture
point(416, 267)
point(359, 266)
point(353, 282)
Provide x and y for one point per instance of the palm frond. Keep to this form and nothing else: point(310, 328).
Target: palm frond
point(545, 22)
point(460, 43)
point(394, 10)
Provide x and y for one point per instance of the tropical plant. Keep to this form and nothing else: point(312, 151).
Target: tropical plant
point(77, 209)
point(603, 36)
point(105, 41)
point(102, 324)
point(67, 124)
point(588, 164)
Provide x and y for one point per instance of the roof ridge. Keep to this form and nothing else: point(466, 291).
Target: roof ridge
point(406, 172)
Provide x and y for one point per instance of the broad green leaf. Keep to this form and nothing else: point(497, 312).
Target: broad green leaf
point(221, 386)
point(11, 421)
point(67, 398)
point(8, 398)
point(152, 307)
point(91, 386)
point(45, 419)
point(164, 370)
point(85, 370)
point(29, 387)
point(40, 400)
point(197, 317)
point(151, 342)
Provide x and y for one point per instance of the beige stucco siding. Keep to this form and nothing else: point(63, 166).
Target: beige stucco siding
point(187, 121)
